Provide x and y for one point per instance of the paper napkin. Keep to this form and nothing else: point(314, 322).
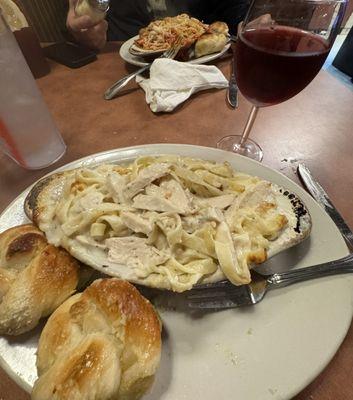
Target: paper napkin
point(172, 82)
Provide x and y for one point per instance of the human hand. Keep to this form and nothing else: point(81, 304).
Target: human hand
point(85, 30)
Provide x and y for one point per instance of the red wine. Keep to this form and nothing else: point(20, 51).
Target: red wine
point(274, 64)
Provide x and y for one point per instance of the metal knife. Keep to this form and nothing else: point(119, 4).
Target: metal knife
point(232, 92)
point(319, 194)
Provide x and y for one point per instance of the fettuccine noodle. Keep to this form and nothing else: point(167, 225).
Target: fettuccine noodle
point(171, 220)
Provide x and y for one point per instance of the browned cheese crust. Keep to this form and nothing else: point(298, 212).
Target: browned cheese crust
point(36, 197)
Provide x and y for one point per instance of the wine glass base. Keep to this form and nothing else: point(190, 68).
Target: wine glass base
point(249, 149)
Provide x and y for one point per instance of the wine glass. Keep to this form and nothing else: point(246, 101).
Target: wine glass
point(281, 46)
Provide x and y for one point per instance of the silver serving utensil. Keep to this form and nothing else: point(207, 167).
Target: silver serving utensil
point(117, 86)
point(319, 194)
point(224, 295)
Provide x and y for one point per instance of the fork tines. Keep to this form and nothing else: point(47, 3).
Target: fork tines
point(174, 48)
point(219, 296)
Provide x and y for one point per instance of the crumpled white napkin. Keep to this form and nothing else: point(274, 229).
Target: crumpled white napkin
point(172, 82)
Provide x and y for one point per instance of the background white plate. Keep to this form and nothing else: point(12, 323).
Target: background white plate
point(128, 57)
point(269, 351)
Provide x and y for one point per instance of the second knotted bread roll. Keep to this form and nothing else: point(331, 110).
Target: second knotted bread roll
point(104, 343)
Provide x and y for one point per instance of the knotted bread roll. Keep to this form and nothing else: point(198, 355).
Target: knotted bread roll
point(219, 27)
point(209, 43)
point(104, 343)
point(35, 278)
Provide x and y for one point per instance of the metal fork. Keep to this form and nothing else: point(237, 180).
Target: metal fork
point(117, 86)
point(225, 295)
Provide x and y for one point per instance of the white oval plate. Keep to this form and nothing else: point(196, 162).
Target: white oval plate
point(266, 352)
point(139, 61)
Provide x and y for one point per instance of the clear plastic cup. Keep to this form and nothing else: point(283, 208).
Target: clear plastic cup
point(95, 9)
point(27, 131)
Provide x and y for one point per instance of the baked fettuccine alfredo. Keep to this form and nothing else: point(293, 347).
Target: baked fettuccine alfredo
point(168, 222)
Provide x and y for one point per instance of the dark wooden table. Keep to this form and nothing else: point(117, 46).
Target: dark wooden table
point(315, 127)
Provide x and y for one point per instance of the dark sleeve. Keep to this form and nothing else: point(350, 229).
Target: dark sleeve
point(126, 17)
point(230, 11)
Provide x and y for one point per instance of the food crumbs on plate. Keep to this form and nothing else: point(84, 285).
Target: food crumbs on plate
point(233, 358)
point(249, 332)
point(273, 391)
point(230, 355)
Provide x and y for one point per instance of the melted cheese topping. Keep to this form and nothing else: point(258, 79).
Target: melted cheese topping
point(168, 221)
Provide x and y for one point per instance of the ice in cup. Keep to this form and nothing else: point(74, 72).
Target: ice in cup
point(27, 131)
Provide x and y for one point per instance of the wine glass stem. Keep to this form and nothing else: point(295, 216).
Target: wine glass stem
point(248, 126)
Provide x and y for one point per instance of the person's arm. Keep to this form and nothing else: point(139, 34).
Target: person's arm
point(84, 30)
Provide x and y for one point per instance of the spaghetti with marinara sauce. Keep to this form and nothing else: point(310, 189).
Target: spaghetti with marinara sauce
point(160, 34)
